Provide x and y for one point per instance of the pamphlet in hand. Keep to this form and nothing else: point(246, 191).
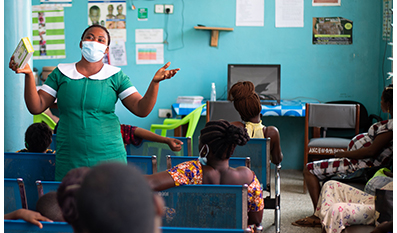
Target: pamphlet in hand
point(23, 52)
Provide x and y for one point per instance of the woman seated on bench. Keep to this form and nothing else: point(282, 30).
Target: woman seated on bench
point(217, 142)
point(247, 103)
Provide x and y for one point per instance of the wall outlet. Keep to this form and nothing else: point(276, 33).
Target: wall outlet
point(159, 8)
point(168, 8)
point(165, 113)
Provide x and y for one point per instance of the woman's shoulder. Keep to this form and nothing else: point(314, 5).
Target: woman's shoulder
point(271, 131)
point(241, 175)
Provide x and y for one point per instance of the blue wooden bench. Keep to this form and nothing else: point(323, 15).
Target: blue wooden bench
point(20, 226)
point(44, 187)
point(161, 150)
point(30, 167)
point(147, 164)
point(233, 161)
point(259, 151)
point(206, 206)
point(14, 195)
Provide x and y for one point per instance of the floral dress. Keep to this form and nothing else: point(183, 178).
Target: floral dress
point(329, 167)
point(341, 205)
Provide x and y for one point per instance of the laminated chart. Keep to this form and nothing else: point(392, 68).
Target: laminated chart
point(149, 53)
point(48, 32)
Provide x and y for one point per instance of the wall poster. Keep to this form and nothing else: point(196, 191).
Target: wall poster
point(326, 2)
point(332, 30)
point(48, 32)
point(110, 14)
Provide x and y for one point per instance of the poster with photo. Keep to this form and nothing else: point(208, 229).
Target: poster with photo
point(332, 30)
point(48, 32)
point(110, 14)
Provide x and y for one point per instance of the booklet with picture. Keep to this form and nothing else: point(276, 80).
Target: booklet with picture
point(23, 52)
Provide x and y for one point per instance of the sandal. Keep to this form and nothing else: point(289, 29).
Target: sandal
point(308, 222)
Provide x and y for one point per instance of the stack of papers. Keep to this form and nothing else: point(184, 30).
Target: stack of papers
point(190, 99)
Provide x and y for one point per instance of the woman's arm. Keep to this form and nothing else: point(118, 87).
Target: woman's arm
point(160, 181)
point(36, 101)
point(173, 143)
point(27, 215)
point(275, 148)
point(142, 106)
point(368, 152)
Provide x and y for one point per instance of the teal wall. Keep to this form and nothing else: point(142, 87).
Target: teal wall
point(322, 72)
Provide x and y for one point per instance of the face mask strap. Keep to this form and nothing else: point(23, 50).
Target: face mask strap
point(206, 153)
point(203, 159)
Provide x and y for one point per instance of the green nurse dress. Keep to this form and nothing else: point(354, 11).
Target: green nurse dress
point(88, 128)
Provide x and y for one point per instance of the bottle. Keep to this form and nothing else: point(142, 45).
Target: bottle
point(213, 92)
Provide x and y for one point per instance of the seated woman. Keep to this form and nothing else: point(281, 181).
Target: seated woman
point(342, 205)
point(373, 149)
point(38, 137)
point(248, 105)
point(217, 142)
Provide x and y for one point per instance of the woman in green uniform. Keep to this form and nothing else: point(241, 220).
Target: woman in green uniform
point(86, 92)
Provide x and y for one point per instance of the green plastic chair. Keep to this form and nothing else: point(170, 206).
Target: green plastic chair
point(169, 124)
point(42, 117)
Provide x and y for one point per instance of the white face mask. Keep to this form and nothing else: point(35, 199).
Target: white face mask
point(93, 51)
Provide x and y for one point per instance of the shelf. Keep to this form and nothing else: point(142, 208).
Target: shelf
point(214, 33)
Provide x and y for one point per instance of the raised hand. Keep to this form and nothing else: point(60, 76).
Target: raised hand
point(162, 73)
point(14, 66)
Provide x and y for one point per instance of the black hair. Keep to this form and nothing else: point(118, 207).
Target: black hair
point(38, 137)
point(47, 205)
point(98, 26)
point(66, 196)
point(223, 137)
point(388, 94)
point(116, 197)
point(246, 101)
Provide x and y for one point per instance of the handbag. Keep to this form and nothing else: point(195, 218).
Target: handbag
point(383, 205)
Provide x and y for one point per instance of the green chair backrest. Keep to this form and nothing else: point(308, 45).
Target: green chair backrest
point(193, 119)
point(42, 117)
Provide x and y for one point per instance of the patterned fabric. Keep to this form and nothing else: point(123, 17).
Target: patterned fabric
point(254, 130)
point(329, 167)
point(191, 172)
point(48, 151)
point(128, 134)
point(341, 205)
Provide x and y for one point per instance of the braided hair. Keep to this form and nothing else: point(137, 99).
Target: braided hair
point(38, 137)
point(66, 196)
point(246, 101)
point(222, 138)
point(97, 26)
